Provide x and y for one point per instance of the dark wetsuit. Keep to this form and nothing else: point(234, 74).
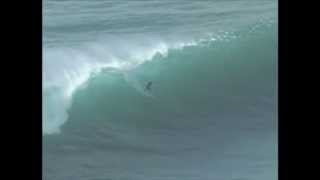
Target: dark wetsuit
point(148, 86)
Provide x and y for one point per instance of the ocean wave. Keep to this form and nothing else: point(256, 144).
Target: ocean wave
point(67, 70)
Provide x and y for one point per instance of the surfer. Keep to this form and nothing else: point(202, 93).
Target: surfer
point(148, 86)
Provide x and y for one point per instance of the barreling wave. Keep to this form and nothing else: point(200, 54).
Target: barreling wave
point(104, 81)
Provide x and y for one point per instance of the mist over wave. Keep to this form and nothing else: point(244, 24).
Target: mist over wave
point(212, 109)
point(62, 76)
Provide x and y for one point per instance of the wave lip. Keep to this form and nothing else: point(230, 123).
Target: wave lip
point(66, 70)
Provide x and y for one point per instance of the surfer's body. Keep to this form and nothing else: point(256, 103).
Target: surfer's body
point(148, 86)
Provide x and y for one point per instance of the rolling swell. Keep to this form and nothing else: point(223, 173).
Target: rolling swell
point(213, 112)
point(228, 80)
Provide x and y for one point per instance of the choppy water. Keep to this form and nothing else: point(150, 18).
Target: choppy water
point(212, 110)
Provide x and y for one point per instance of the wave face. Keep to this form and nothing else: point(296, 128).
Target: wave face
point(212, 109)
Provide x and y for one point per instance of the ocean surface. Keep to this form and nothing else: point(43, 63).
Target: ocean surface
point(211, 113)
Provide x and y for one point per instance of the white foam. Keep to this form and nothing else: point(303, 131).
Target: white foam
point(68, 68)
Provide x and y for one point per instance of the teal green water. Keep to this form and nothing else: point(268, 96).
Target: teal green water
point(210, 79)
point(212, 109)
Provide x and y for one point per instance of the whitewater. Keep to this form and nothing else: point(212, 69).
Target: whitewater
point(212, 111)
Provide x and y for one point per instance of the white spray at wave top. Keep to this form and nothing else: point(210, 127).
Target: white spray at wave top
point(68, 68)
